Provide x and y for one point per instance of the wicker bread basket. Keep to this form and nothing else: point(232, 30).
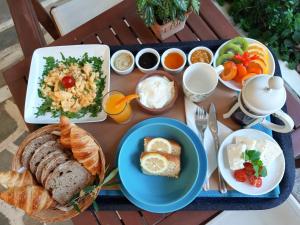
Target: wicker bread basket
point(55, 215)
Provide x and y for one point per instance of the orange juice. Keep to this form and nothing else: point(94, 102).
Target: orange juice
point(119, 111)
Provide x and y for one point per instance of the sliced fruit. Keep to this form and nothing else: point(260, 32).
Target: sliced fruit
point(254, 67)
point(262, 65)
point(126, 99)
point(257, 47)
point(240, 175)
point(255, 181)
point(241, 70)
point(223, 58)
point(241, 42)
point(154, 163)
point(230, 71)
point(160, 145)
point(231, 48)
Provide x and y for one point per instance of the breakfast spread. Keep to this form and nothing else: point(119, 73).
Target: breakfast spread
point(72, 87)
point(155, 92)
point(123, 61)
point(243, 60)
point(249, 159)
point(55, 169)
point(161, 157)
point(200, 55)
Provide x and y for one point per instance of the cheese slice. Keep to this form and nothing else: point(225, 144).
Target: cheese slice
point(235, 153)
point(250, 143)
point(269, 151)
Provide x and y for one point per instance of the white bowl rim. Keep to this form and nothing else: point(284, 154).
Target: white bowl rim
point(142, 51)
point(204, 48)
point(166, 52)
point(115, 55)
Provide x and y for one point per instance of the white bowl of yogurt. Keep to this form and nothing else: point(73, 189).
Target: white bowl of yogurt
point(158, 91)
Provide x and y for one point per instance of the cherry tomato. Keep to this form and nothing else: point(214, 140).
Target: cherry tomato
point(68, 81)
point(240, 175)
point(249, 168)
point(255, 181)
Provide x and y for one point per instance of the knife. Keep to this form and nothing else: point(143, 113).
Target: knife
point(213, 127)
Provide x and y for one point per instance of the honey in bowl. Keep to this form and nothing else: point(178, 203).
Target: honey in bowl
point(174, 60)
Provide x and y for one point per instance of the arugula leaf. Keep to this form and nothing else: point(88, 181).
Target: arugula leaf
point(252, 155)
point(93, 109)
point(263, 172)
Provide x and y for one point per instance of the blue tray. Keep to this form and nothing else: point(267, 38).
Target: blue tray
point(116, 202)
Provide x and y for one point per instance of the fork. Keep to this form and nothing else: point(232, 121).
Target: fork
point(201, 120)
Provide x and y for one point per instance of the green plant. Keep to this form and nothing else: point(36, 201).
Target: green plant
point(164, 11)
point(276, 23)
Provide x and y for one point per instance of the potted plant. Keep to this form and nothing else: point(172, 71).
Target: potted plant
point(166, 17)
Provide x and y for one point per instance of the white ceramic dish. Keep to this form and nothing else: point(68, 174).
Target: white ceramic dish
point(122, 72)
point(170, 50)
point(275, 169)
point(36, 69)
point(141, 52)
point(201, 48)
point(234, 85)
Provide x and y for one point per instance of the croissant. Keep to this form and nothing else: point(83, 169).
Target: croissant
point(65, 129)
point(85, 150)
point(11, 179)
point(31, 199)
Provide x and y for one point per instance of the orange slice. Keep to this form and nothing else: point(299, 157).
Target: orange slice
point(127, 99)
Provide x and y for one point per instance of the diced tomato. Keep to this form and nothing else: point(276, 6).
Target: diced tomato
point(240, 175)
point(249, 168)
point(255, 181)
point(68, 81)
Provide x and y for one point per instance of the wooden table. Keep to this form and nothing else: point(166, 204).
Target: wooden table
point(122, 26)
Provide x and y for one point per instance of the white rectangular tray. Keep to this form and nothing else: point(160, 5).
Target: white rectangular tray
point(36, 69)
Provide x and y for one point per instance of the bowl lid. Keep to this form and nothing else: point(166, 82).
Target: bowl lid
point(264, 94)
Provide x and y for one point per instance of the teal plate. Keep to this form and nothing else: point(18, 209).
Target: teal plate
point(154, 193)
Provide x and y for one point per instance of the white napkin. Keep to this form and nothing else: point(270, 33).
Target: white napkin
point(223, 132)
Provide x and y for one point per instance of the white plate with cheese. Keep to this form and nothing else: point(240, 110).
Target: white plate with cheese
point(275, 168)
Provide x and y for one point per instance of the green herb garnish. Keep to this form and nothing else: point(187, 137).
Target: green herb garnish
point(253, 157)
point(92, 109)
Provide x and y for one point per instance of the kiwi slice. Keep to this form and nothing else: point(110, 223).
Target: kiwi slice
point(241, 42)
point(225, 57)
point(231, 47)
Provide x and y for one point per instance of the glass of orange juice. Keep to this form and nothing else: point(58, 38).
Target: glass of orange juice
point(120, 111)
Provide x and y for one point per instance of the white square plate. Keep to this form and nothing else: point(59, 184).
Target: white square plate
point(36, 70)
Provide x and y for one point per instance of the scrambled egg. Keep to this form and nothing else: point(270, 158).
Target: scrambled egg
point(81, 95)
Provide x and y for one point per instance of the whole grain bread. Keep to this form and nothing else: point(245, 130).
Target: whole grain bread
point(67, 180)
point(40, 153)
point(51, 165)
point(44, 162)
point(176, 148)
point(33, 145)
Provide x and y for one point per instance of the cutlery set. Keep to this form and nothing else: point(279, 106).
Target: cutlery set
point(202, 121)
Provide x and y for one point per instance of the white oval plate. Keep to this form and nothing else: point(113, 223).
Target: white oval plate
point(234, 85)
point(275, 169)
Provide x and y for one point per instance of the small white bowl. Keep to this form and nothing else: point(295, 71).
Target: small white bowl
point(122, 72)
point(141, 52)
point(201, 48)
point(173, 71)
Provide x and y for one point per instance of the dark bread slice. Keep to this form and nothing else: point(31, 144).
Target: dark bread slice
point(41, 153)
point(51, 165)
point(33, 145)
point(42, 164)
point(67, 180)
